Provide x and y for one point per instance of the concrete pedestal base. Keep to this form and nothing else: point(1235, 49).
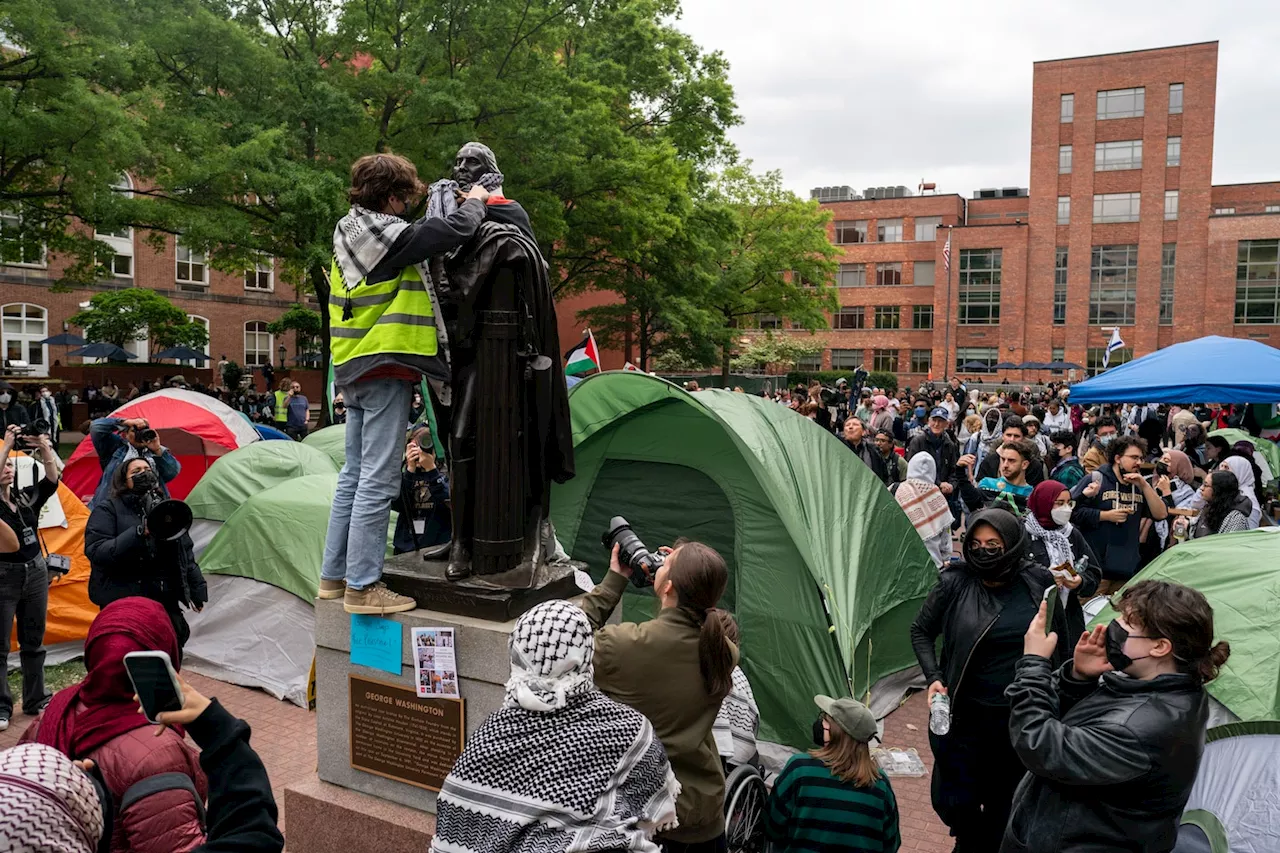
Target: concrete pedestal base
point(326, 818)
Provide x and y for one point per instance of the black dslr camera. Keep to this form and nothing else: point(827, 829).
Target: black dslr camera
point(33, 430)
point(632, 552)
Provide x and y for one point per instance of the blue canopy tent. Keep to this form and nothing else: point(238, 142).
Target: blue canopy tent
point(1213, 369)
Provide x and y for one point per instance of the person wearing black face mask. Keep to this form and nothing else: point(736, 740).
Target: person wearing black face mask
point(125, 559)
point(1113, 739)
point(980, 607)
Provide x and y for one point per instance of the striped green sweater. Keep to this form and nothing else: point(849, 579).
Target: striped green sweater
point(812, 810)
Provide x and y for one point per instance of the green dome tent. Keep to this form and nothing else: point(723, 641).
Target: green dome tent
point(253, 469)
point(1239, 573)
point(1266, 448)
point(331, 441)
point(796, 516)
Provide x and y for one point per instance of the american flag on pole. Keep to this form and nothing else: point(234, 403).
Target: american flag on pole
point(1112, 345)
point(946, 255)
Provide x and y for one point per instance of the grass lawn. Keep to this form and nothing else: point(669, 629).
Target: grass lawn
point(55, 678)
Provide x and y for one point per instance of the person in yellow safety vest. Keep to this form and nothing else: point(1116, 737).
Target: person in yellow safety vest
point(282, 402)
point(383, 339)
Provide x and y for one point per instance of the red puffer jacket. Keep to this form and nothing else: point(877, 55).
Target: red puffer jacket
point(154, 782)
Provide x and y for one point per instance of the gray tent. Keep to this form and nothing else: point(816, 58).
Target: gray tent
point(1235, 804)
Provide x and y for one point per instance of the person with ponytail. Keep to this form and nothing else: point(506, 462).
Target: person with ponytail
point(1112, 740)
point(980, 608)
point(675, 669)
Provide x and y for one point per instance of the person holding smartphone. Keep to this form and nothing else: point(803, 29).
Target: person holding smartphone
point(24, 572)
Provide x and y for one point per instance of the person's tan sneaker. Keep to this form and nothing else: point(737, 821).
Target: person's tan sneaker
point(376, 600)
point(330, 590)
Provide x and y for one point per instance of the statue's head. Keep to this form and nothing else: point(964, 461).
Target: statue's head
point(473, 161)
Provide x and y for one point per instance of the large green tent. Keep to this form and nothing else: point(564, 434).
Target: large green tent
point(332, 441)
point(253, 469)
point(1239, 573)
point(1265, 446)
point(800, 521)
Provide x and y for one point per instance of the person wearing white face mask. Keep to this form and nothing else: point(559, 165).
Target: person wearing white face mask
point(47, 410)
point(1053, 542)
point(1112, 740)
point(11, 411)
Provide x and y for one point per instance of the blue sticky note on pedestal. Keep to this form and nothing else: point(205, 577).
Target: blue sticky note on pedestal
point(375, 642)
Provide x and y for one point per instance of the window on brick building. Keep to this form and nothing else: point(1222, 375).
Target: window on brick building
point(1258, 281)
point(967, 357)
point(885, 360)
point(1168, 271)
point(257, 344)
point(921, 360)
point(22, 327)
point(191, 269)
point(768, 321)
point(809, 363)
point(1173, 151)
point(1121, 103)
point(846, 359)
point(1113, 285)
point(922, 317)
point(889, 230)
point(1117, 207)
point(980, 273)
point(1170, 204)
point(1114, 156)
point(1064, 210)
point(849, 317)
point(1271, 208)
point(1093, 361)
point(120, 239)
point(1175, 98)
point(1058, 354)
point(1060, 286)
point(261, 277)
point(888, 316)
point(21, 244)
point(1064, 159)
point(924, 273)
point(889, 273)
point(204, 322)
point(927, 228)
point(851, 275)
point(1223, 211)
point(1067, 109)
point(851, 231)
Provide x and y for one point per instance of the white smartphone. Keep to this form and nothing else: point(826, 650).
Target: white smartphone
point(155, 682)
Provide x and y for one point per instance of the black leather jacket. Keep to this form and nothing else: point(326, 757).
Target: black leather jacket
point(962, 610)
point(1112, 770)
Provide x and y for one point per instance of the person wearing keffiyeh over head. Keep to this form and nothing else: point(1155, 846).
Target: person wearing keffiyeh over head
point(560, 766)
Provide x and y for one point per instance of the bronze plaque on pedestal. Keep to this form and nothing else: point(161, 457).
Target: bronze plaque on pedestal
point(396, 734)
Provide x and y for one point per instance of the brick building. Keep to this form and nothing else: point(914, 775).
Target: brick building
point(1121, 226)
point(234, 308)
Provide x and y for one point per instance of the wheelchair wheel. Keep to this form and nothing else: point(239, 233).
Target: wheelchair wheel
point(744, 810)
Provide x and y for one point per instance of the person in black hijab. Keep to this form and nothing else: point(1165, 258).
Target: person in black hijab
point(981, 608)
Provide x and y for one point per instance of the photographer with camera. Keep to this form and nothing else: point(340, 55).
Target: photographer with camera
point(24, 572)
point(423, 519)
point(126, 558)
point(117, 440)
point(675, 669)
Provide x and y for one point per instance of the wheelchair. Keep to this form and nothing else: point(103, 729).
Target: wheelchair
point(744, 811)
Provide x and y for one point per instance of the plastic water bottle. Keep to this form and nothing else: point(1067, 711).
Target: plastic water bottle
point(939, 714)
point(1180, 527)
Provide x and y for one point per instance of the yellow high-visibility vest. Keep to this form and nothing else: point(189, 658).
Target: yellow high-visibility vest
point(282, 407)
point(392, 316)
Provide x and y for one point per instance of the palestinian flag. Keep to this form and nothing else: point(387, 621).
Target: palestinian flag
point(583, 358)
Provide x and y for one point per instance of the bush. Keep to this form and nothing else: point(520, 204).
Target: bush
point(878, 379)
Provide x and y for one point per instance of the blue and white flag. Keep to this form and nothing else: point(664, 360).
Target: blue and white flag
point(1114, 344)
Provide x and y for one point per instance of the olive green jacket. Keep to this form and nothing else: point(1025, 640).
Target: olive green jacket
point(653, 667)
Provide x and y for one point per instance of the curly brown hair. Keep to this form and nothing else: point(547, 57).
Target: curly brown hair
point(1182, 616)
point(377, 178)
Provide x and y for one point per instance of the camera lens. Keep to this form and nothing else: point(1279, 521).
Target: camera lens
point(631, 551)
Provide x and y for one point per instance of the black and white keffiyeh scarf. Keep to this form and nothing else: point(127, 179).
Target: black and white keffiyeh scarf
point(361, 239)
point(737, 722)
point(560, 767)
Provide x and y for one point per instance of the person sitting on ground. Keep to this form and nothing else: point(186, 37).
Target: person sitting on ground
point(1224, 506)
point(738, 722)
point(117, 441)
point(98, 719)
point(835, 798)
point(1054, 543)
point(1112, 740)
point(423, 519)
point(567, 767)
point(927, 508)
point(895, 465)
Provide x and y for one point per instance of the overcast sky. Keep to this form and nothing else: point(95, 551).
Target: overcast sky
point(884, 93)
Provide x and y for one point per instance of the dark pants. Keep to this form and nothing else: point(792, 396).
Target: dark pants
point(180, 627)
point(24, 592)
point(975, 772)
point(715, 845)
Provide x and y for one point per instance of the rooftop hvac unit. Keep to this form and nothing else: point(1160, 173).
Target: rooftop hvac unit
point(1013, 192)
point(987, 193)
point(841, 193)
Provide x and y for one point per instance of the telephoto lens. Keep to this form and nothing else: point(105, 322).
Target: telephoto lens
point(631, 551)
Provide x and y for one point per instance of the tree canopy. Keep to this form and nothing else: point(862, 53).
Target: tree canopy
point(122, 316)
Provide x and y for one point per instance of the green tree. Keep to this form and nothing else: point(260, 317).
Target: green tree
point(121, 316)
point(770, 350)
point(778, 259)
point(304, 323)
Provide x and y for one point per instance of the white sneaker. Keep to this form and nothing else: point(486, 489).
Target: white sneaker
point(4, 723)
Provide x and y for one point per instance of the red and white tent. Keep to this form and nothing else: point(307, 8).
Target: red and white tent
point(195, 427)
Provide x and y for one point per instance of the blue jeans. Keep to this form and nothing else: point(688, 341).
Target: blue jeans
point(377, 411)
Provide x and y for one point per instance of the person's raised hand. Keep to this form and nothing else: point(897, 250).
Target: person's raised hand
point(1133, 478)
point(136, 423)
point(1091, 490)
point(966, 461)
point(1090, 659)
point(946, 488)
point(934, 689)
point(615, 566)
point(412, 456)
point(154, 445)
point(478, 192)
point(1035, 641)
point(1163, 484)
point(1066, 580)
point(193, 705)
point(11, 436)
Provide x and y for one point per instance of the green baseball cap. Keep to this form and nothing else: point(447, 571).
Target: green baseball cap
point(849, 714)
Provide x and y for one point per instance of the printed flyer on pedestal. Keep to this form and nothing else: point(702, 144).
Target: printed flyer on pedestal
point(435, 662)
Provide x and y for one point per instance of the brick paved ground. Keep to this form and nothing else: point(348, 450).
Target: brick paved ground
point(921, 829)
